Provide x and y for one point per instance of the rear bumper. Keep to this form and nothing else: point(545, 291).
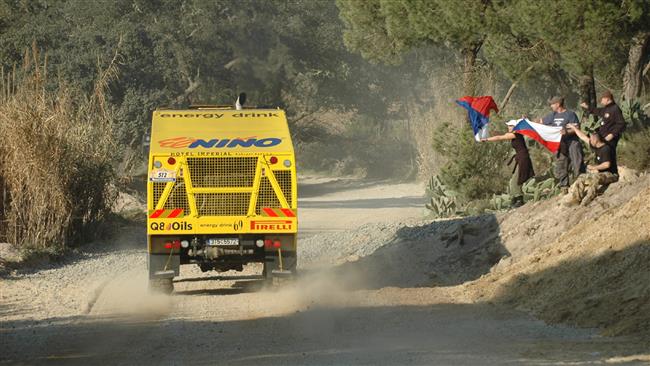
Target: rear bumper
point(156, 244)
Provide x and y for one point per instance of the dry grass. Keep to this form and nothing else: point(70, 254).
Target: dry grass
point(55, 158)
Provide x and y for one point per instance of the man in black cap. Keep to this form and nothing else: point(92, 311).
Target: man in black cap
point(612, 122)
point(569, 157)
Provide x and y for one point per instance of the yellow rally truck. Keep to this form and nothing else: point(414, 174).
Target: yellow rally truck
point(221, 192)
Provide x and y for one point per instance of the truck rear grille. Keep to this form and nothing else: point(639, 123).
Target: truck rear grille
point(284, 180)
point(158, 189)
point(222, 204)
point(177, 197)
point(267, 197)
point(220, 172)
point(224, 172)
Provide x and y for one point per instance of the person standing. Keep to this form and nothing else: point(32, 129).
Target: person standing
point(569, 157)
point(523, 169)
point(612, 124)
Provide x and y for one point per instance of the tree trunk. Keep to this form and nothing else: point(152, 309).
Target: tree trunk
point(469, 62)
point(633, 74)
point(588, 87)
point(469, 73)
point(514, 85)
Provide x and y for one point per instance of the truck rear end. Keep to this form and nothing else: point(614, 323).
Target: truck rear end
point(222, 192)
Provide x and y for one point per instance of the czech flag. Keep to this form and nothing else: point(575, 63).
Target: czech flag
point(549, 136)
point(478, 109)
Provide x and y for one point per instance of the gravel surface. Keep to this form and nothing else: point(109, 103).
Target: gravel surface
point(379, 286)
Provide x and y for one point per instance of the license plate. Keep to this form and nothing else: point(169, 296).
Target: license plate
point(218, 242)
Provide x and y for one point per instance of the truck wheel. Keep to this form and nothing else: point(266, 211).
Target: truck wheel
point(161, 285)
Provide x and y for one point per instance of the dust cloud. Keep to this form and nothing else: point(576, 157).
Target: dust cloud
point(128, 295)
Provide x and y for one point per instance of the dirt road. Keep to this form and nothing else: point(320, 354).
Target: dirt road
point(93, 308)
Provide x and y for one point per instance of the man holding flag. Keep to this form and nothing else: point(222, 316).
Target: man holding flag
point(569, 156)
point(523, 170)
point(547, 136)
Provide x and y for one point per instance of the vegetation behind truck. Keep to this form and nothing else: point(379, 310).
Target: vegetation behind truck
point(222, 192)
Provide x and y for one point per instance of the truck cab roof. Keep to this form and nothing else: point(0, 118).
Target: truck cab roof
point(217, 129)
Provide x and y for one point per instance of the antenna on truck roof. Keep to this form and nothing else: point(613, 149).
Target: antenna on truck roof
point(239, 104)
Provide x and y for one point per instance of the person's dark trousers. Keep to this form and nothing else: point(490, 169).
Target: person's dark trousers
point(613, 144)
point(574, 163)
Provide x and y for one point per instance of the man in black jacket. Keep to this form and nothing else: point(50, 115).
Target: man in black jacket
point(612, 124)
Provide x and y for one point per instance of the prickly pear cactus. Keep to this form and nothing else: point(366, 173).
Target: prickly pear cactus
point(501, 202)
point(634, 114)
point(535, 190)
point(443, 202)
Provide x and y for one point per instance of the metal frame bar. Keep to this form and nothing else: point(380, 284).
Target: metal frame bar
point(223, 190)
point(276, 186)
point(189, 189)
point(262, 165)
point(257, 181)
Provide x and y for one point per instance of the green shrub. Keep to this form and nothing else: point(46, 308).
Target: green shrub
point(474, 170)
point(635, 117)
point(634, 150)
point(363, 148)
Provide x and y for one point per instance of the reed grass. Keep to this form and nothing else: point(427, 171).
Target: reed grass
point(55, 157)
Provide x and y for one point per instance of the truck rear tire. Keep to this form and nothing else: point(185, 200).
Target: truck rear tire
point(161, 285)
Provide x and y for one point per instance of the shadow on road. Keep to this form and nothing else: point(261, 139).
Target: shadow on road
point(397, 335)
point(413, 201)
point(214, 291)
point(219, 278)
point(441, 253)
point(245, 284)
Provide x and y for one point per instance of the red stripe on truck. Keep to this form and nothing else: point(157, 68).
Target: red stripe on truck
point(270, 212)
point(175, 212)
point(288, 212)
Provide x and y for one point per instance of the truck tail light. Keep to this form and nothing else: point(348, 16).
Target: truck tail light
point(176, 244)
point(171, 161)
point(273, 160)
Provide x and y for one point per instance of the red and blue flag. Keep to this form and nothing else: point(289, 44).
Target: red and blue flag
point(479, 109)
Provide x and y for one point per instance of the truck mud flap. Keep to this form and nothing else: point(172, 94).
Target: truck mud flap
point(272, 265)
point(163, 265)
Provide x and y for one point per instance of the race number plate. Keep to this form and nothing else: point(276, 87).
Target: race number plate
point(162, 175)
